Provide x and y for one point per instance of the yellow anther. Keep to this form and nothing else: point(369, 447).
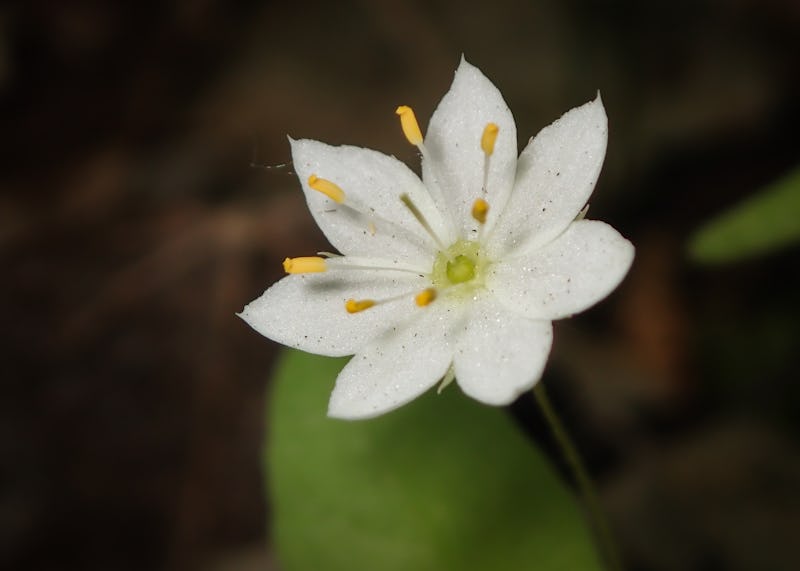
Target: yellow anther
point(408, 121)
point(356, 306)
point(327, 188)
point(306, 265)
point(480, 209)
point(489, 137)
point(425, 297)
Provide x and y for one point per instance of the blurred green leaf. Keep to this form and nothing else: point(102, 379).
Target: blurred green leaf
point(761, 224)
point(443, 483)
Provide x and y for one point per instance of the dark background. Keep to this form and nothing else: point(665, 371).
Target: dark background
point(141, 206)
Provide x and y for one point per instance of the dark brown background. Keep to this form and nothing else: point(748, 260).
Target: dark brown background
point(137, 216)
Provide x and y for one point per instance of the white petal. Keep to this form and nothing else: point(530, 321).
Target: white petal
point(572, 273)
point(501, 354)
point(306, 311)
point(397, 367)
point(454, 160)
point(556, 175)
point(373, 182)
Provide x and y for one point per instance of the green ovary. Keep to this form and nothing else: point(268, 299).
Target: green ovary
point(460, 270)
point(460, 265)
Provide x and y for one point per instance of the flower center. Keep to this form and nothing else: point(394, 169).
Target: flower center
point(460, 266)
point(460, 270)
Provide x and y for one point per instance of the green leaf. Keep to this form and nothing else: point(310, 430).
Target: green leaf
point(761, 224)
point(442, 483)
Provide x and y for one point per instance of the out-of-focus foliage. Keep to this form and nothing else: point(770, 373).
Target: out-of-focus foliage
point(442, 483)
point(765, 222)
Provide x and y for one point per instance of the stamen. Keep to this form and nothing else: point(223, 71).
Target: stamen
point(480, 209)
point(304, 265)
point(582, 214)
point(335, 193)
point(357, 306)
point(421, 219)
point(345, 263)
point(408, 121)
point(489, 137)
point(326, 187)
point(422, 299)
point(487, 144)
point(425, 297)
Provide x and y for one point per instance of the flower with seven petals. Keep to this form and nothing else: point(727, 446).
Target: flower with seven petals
point(457, 275)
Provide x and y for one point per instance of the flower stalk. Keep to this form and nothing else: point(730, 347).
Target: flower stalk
point(586, 487)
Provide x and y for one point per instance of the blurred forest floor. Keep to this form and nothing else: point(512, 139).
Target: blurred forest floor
point(142, 204)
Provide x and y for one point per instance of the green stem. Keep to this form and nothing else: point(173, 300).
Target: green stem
point(586, 487)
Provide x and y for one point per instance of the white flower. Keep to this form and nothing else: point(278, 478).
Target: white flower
point(460, 273)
